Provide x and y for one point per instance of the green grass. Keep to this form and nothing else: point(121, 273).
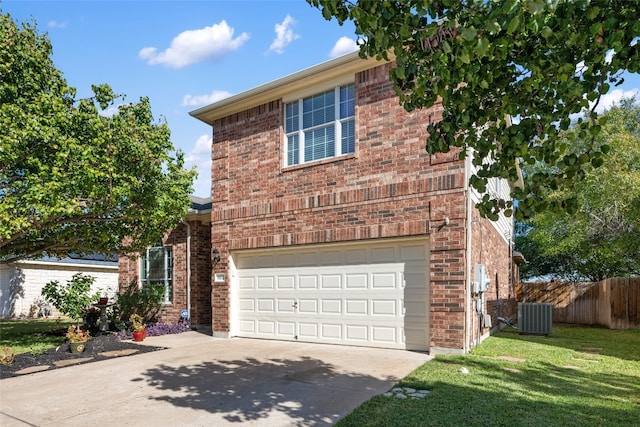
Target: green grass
point(32, 335)
point(576, 376)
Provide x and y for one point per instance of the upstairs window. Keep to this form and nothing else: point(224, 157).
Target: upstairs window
point(320, 126)
point(156, 269)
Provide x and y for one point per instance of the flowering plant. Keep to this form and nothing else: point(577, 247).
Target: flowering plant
point(75, 334)
point(137, 322)
point(6, 356)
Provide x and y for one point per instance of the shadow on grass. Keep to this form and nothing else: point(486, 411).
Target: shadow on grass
point(620, 343)
point(305, 391)
point(499, 393)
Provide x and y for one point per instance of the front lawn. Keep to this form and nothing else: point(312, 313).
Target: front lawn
point(33, 335)
point(576, 376)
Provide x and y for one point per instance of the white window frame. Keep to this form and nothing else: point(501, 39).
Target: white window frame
point(337, 123)
point(167, 281)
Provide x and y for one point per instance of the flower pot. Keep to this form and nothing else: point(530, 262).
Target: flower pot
point(77, 347)
point(139, 335)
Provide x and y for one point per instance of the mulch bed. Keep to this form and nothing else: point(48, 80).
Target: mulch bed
point(100, 347)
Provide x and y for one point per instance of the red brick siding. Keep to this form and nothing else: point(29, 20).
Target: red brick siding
point(490, 249)
point(200, 273)
point(389, 187)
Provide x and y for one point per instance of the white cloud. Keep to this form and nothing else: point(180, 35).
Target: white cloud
point(284, 35)
point(203, 145)
point(614, 97)
point(200, 157)
point(343, 46)
point(56, 24)
point(198, 100)
point(110, 111)
point(608, 100)
point(192, 46)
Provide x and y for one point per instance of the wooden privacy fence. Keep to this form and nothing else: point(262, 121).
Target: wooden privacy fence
point(614, 303)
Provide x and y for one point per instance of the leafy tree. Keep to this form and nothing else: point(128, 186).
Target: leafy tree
point(601, 238)
point(535, 61)
point(72, 178)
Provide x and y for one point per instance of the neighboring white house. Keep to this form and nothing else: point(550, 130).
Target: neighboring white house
point(21, 282)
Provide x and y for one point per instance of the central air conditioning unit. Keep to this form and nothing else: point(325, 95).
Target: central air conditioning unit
point(535, 318)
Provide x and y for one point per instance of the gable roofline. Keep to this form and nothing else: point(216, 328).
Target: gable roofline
point(327, 71)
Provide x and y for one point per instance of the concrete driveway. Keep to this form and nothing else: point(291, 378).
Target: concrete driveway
point(205, 381)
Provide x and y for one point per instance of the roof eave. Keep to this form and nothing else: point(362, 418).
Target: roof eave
point(323, 72)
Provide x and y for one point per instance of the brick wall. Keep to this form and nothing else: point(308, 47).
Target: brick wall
point(490, 249)
point(389, 187)
point(200, 273)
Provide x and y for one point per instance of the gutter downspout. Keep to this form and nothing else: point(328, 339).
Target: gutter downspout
point(188, 270)
point(467, 169)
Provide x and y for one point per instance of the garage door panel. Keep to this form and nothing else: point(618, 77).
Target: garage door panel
point(329, 258)
point(384, 307)
point(331, 306)
point(286, 330)
point(384, 335)
point(383, 254)
point(308, 258)
point(356, 281)
point(286, 282)
point(307, 330)
point(357, 307)
point(415, 280)
point(247, 304)
point(355, 256)
point(266, 327)
point(246, 283)
point(383, 280)
point(373, 294)
point(247, 326)
point(266, 282)
point(413, 253)
point(266, 305)
point(357, 333)
point(331, 281)
point(308, 306)
point(308, 282)
point(286, 305)
point(331, 331)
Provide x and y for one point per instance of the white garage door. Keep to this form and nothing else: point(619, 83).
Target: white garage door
point(373, 294)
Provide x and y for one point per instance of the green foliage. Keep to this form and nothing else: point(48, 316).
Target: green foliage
point(600, 239)
point(73, 298)
point(144, 301)
point(535, 61)
point(78, 175)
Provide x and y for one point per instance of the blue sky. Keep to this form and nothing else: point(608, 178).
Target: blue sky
point(183, 54)
point(187, 54)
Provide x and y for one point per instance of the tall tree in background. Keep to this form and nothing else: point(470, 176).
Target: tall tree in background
point(533, 60)
point(602, 238)
point(71, 179)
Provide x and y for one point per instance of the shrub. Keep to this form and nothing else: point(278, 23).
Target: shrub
point(72, 299)
point(145, 301)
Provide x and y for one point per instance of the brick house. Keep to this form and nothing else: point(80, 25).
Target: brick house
point(182, 263)
point(333, 224)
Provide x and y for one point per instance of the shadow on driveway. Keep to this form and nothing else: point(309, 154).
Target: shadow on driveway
point(307, 390)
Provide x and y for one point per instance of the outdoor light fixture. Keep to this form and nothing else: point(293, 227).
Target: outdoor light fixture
point(216, 256)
